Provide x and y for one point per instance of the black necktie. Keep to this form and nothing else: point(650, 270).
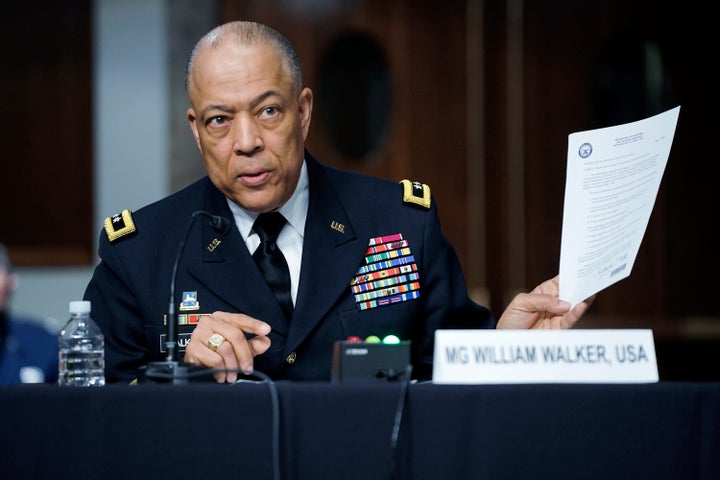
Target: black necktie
point(270, 259)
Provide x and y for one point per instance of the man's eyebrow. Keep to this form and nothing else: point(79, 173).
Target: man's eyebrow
point(223, 108)
point(264, 96)
point(227, 108)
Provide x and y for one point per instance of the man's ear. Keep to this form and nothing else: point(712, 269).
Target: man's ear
point(305, 106)
point(192, 119)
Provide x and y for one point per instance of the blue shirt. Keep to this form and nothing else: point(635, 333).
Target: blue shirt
point(28, 354)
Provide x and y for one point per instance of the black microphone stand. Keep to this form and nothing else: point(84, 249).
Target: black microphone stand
point(171, 370)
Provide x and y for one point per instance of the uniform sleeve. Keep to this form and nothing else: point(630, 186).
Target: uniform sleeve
point(446, 301)
point(115, 310)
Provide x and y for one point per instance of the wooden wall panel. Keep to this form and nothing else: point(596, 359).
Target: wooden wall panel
point(47, 175)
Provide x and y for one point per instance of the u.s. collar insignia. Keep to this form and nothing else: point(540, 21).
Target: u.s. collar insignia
point(189, 301)
point(416, 194)
point(337, 226)
point(119, 225)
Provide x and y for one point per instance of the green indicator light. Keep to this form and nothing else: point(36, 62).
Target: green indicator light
point(391, 340)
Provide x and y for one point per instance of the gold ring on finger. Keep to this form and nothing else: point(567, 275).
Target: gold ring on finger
point(215, 341)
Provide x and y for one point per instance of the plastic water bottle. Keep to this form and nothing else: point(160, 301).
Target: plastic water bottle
point(81, 347)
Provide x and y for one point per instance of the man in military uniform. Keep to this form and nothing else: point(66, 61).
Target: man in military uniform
point(360, 256)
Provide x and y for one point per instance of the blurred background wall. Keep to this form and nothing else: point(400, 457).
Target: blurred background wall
point(127, 123)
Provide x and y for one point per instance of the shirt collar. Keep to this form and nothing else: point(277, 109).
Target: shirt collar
point(294, 210)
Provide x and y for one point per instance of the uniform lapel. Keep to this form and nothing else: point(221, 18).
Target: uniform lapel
point(223, 265)
point(331, 255)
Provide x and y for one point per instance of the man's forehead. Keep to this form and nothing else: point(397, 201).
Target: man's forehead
point(227, 51)
point(241, 94)
point(254, 69)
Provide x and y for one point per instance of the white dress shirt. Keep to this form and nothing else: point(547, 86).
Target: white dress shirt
point(290, 240)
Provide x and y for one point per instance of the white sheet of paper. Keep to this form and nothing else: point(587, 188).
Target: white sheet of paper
point(613, 176)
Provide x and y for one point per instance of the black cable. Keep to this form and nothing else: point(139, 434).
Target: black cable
point(402, 400)
point(273, 397)
point(275, 418)
point(219, 224)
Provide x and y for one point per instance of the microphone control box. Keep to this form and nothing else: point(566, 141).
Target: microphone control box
point(369, 362)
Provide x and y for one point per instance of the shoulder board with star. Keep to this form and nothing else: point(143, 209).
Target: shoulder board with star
point(416, 194)
point(119, 226)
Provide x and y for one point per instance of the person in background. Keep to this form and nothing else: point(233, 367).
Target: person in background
point(28, 349)
point(365, 256)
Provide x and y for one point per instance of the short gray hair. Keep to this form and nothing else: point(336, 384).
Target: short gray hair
point(251, 33)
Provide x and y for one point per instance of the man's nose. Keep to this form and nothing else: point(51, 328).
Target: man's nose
point(248, 136)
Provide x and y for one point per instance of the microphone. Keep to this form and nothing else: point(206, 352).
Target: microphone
point(171, 369)
point(220, 224)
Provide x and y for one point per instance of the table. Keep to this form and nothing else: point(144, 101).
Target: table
point(668, 430)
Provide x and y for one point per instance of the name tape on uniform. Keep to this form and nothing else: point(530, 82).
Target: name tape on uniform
point(544, 356)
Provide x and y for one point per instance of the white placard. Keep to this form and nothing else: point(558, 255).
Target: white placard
point(545, 356)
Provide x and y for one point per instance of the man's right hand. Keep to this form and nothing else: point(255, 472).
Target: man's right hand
point(236, 352)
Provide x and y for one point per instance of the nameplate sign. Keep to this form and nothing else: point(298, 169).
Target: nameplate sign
point(544, 356)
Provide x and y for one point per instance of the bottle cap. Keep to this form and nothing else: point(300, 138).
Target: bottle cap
point(80, 306)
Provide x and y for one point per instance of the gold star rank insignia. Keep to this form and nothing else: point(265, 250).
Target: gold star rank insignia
point(119, 225)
